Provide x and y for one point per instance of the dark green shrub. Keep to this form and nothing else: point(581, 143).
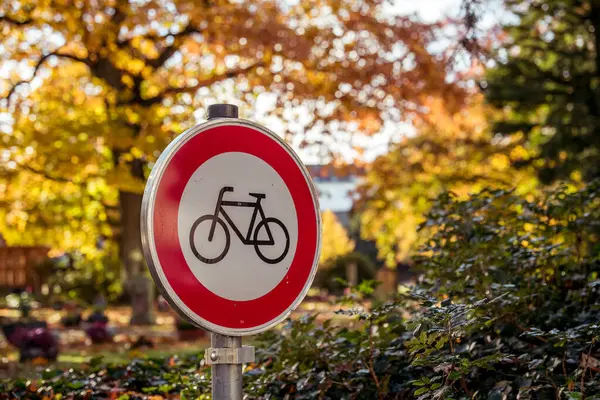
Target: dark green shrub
point(507, 308)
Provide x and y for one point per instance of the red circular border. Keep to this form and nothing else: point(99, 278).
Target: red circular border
point(206, 304)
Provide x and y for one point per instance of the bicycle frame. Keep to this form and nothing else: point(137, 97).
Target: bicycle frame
point(247, 240)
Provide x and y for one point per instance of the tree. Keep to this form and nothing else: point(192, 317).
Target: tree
point(56, 189)
point(546, 83)
point(121, 78)
point(450, 151)
point(335, 242)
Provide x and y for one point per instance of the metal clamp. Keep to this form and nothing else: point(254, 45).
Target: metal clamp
point(239, 355)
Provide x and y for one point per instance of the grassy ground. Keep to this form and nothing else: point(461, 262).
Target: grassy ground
point(115, 357)
point(76, 349)
point(110, 354)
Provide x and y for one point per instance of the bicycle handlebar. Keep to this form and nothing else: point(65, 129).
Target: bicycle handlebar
point(226, 189)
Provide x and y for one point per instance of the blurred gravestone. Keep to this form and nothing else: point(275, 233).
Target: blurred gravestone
point(352, 274)
point(391, 278)
point(141, 290)
point(100, 301)
point(388, 279)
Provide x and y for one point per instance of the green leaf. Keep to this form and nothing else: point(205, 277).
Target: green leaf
point(96, 361)
point(421, 391)
point(440, 343)
point(165, 388)
point(574, 395)
point(454, 375)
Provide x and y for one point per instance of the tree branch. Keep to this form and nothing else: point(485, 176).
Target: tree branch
point(24, 81)
point(6, 18)
point(119, 15)
point(562, 52)
point(530, 70)
point(170, 50)
point(380, 393)
point(200, 84)
point(104, 69)
point(38, 65)
point(56, 178)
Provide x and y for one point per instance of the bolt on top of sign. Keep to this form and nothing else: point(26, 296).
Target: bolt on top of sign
point(230, 225)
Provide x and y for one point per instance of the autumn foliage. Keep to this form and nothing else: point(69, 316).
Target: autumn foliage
point(91, 93)
point(336, 242)
point(450, 151)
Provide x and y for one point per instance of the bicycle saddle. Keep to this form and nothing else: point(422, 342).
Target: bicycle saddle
point(258, 195)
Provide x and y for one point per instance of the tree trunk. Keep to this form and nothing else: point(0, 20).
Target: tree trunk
point(138, 284)
point(352, 274)
point(595, 20)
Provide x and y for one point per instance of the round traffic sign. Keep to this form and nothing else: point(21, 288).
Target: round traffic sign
point(230, 227)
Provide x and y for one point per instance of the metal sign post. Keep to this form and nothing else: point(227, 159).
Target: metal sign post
point(231, 232)
point(226, 355)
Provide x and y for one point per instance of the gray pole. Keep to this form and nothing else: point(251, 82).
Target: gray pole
point(226, 354)
point(226, 378)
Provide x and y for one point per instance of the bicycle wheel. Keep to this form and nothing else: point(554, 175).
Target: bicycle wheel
point(206, 221)
point(273, 222)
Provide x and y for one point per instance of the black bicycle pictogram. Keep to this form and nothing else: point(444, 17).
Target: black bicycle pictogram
point(250, 239)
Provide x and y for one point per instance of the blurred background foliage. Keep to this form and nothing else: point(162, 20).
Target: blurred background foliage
point(336, 242)
point(92, 92)
point(451, 151)
point(544, 81)
point(487, 123)
point(507, 308)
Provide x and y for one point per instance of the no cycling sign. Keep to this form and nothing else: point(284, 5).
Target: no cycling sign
point(230, 227)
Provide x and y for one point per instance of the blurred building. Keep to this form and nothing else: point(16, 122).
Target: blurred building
point(335, 187)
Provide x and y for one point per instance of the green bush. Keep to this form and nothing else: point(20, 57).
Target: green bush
point(507, 308)
point(75, 277)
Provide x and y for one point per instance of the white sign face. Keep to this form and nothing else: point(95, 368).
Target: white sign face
point(258, 189)
point(231, 227)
